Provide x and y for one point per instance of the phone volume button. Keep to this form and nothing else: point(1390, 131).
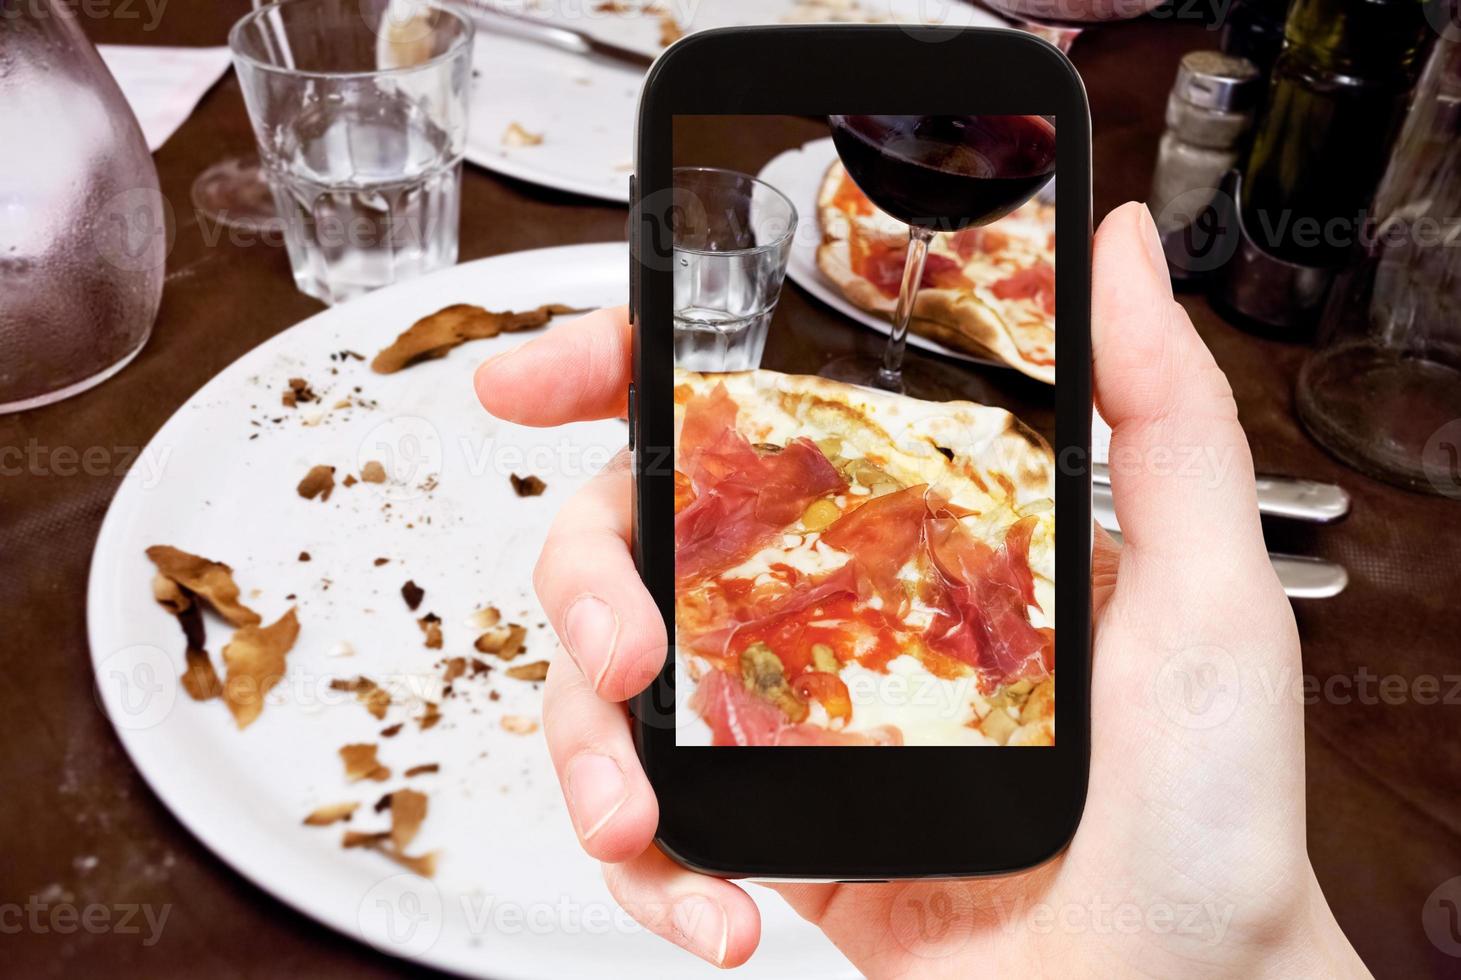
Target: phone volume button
point(633, 413)
point(634, 219)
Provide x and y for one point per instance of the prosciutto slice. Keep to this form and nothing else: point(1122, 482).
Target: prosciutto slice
point(743, 498)
point(738, 717)
point(982, 596)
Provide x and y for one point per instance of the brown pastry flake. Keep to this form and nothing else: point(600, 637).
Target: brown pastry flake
point(304, 556)
point(364, 838)
point(391, 731)
point(318, 482)
point(361, 763)
point(505, 641)
point(413, 594)
point(515, 135)
point(424, 769)
point(298, 391)
point(430, 716)
point(254, 662)
point(519, 724)
point(373, 472)
point(431, 625)
point(486, 618)
point(455, 667)
point(375, 698)
point(527, 486)
point(333, 813)
point(435, 335)
point(349, 480)
point(199, 679)
point(535, 671)
point(408, 810)
point(669, 30)
point(212, 580)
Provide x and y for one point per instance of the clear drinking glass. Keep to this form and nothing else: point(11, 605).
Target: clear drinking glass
point(360, 112)
point(732, 236)
point(1383, 389)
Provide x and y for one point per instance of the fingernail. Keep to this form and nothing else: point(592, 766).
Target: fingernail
point(596, 791)
point(591, 629)
point(1154, 252)
point(703, 926)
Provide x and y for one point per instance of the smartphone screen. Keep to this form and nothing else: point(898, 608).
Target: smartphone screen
point(864, 324)
point(861, 401)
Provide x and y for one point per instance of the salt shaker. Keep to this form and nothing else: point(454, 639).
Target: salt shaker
point(1209, 113)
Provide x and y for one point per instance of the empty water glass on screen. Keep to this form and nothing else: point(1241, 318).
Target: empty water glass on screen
point(732, 236)
point(360, 111)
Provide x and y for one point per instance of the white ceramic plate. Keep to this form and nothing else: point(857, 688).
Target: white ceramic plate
point(513, 896)
point(798, 174)
point(584, 108)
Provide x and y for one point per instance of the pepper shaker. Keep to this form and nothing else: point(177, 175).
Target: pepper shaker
point(1209, 113)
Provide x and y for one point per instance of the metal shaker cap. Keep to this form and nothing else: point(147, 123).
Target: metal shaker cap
point(1213, 80)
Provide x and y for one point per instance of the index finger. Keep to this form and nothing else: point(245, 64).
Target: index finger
point(580, 370)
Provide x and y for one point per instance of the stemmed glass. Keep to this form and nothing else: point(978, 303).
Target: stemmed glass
point(936, 174)
point(233, 191)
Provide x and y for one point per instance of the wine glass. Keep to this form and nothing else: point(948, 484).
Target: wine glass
point(233, 191)
point(936, 174)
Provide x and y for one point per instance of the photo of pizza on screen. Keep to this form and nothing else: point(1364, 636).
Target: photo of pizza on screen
point(866, 559)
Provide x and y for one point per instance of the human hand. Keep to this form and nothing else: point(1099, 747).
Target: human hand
point(1190, 857)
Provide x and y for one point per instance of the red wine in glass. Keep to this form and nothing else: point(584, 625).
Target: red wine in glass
point(936, 174)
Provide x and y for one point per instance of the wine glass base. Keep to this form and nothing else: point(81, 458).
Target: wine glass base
point(234, 193)
point(919, 379)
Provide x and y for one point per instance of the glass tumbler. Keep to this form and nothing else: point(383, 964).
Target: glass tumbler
point(1383, 389)
point(360, 112)
point(732, 237)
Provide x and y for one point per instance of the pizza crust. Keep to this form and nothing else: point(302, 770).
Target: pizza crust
point(962, 319)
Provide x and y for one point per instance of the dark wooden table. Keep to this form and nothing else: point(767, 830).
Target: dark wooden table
point(79, 825)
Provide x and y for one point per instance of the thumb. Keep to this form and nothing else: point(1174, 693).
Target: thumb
point(1181, 472)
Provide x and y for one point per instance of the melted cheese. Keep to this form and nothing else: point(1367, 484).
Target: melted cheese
point(928, 710)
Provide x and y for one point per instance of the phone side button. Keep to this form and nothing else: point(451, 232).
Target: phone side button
point(633, 412)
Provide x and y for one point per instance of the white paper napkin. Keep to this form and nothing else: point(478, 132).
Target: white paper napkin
point(163, 84)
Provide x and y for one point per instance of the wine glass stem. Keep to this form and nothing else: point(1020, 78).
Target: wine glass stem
point(890, 375)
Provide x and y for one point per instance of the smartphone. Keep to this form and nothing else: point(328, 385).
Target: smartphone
point(879, 647)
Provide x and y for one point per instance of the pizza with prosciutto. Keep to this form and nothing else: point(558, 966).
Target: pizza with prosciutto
point(988, 291)
point(855, 567)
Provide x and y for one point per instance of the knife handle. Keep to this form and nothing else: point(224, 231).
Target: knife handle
point(1280, 496)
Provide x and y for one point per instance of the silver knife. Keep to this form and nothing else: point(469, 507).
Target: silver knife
point(539, 31)
point(1279, 496)
point(1301, 577)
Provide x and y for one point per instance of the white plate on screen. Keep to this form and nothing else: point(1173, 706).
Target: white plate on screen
point(583, 108)
point(798, 174)
point(513, 896)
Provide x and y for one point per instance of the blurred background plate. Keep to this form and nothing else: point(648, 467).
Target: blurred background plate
point(513, 895)
point(798, 174)
point(583, 109)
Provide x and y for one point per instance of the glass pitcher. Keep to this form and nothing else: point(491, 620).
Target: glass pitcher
point(1383, 389)
point(83, 238)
